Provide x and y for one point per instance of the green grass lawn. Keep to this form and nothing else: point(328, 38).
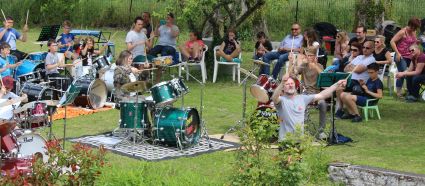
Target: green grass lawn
point(394, 142)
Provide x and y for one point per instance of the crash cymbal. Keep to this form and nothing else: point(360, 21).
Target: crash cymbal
point(259, 62)
point(246, 72)
point(52, 103)
point(24, 107)
point(137, 86)
point(6, 126)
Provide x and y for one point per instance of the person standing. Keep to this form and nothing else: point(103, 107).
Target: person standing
point(146, 16)
point(10, 35)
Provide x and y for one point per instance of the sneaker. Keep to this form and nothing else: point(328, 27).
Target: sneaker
point(322, 136)
point(411, 99)
point(191, 59)
point(339, 113)
point(347, 116)
point(357, 118)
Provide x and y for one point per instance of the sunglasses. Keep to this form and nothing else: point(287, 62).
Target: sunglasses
point(377, 42)
point(294, 28)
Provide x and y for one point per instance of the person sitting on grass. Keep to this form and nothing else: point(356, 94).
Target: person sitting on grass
point(372, 90)
point(6, 61)
point(192, 49)
point(415, 74)
point(262, 46)
point(230, 48)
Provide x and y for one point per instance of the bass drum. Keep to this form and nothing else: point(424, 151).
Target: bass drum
point(32, 144)
point(108, 78)
point(177, 127)
point(93, 93)
point(36, 92)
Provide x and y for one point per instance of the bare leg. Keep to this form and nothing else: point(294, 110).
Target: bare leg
point(184, 51)
point(339, 94)
point(350, 101)
point(225, 56)
point(196, 50)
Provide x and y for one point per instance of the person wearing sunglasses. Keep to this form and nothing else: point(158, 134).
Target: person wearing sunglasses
point(415, 74)
point(10, 35)
point(358, 70)
point(291, 43)
point(372, 88)
point(400, 43)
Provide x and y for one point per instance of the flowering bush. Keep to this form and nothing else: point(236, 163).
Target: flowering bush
point(79, 166)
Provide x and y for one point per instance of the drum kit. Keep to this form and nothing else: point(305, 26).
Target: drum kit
point(154, 119)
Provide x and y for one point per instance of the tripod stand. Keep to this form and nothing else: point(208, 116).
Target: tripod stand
point(242, 121)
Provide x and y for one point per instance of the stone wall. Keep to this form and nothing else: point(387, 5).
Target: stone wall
point(364, 175)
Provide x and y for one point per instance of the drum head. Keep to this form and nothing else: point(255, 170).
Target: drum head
point(259, 93)
point(32, 144)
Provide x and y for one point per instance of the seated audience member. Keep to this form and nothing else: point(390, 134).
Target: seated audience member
point(415, 74)
point(372, 90)
point(341, 45)
point(192, 49)
point(360, 36)
point(262, 46)
point(358, 69)
point(167, 41)
point(310, 70)
point(291, 43)
point(230, 48)
point(6, 61)
point(381, 54)
point(10, 35)
point(52, 62)
point(355, 50)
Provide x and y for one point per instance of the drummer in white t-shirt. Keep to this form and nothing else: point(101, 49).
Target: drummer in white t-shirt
point(6, 110)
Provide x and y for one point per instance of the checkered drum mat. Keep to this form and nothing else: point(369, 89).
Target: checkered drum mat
point(149, 152)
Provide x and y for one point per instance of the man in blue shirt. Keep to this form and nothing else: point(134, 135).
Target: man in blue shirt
point(6, 61)
point(291, 43)
point(10, 35)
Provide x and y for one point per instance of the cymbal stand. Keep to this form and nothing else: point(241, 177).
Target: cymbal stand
point(243, 120)
point(204, 132)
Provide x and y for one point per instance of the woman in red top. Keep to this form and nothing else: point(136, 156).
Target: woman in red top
point(192, 49)
point(415, 75)
point(400, 43)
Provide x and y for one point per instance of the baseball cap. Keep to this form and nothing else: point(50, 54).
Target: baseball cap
point(8, 82)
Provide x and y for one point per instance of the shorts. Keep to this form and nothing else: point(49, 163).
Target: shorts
point(361, 101)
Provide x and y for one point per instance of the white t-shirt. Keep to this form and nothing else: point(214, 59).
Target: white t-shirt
point(165, 36)
point(365, 61)
point(135, 37)
point(6, 112)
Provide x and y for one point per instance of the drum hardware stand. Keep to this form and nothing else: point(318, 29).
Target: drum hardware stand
point(66, 100)
point(204, 130)
point(243, 120)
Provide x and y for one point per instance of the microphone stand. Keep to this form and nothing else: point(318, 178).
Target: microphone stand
point(242, 121)
point(204, 129)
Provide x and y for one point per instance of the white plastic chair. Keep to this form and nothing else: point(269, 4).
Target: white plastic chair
point(391, 73)
point(201, 64)
point(236, 66)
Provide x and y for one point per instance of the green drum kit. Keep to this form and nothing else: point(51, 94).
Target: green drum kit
point(153, 119)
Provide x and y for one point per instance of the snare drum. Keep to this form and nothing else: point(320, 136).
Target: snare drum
point(101, 62)
point(36, 92)
point(163, 94)
point(163, 61)
point(37, 56)
point(93, 93)
point(263, 87)
point(128, 114)
point(173, 125)
point(179, 87)
point(27, 67)
point(37, 115)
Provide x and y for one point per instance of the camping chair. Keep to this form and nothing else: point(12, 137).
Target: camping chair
point(236, 66)
point(201, 63)
point(369, 108)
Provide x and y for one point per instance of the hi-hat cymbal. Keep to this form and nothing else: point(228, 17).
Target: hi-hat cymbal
point(259, 62)
point(50, 102)
point(137, 86)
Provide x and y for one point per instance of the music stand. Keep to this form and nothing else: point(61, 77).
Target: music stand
point(326, 80)
point(68, 98)
point(48, 32)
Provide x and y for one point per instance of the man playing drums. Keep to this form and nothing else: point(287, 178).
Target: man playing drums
point(10, 35)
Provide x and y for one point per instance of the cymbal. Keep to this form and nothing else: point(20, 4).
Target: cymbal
point(137, 86)
point(6, 126)
point(50, 102)
point(24, 107)
point(11, 102)
point(246, 72)
point(259, 62)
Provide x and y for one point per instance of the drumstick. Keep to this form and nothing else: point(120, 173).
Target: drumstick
point(3, 15)
point(26, 20)
point(292, 45)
